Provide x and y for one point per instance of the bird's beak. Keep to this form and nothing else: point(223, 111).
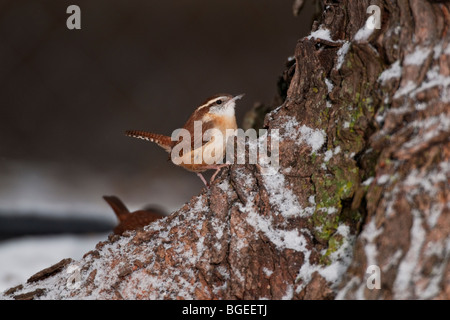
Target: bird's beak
point(237, 97)
point(232, 101)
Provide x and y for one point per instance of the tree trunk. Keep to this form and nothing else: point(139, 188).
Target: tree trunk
point(363, 181)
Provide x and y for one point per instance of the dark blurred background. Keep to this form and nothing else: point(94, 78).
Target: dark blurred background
point(67, 96)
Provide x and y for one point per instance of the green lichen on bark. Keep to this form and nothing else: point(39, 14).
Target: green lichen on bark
point(331, 189)
point(341, 175)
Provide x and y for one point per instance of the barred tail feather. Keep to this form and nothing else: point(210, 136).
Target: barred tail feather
point(163, 141)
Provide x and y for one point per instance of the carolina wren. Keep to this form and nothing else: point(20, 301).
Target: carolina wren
point(131, 220)
point(217, 112)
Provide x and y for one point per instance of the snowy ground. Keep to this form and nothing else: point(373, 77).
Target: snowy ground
point(55, 192)
point(20, 258)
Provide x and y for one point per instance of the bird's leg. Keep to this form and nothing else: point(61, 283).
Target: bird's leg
point(203, 179)
point(217, 167)
point(215, 174)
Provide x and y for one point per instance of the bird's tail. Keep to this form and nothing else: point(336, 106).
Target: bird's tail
point(117, 205)
point(164, 142)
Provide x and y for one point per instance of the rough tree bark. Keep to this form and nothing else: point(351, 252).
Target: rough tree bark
point(363, 180)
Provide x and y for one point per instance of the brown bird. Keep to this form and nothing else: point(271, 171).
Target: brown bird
point(217, 112)
point(131, 220)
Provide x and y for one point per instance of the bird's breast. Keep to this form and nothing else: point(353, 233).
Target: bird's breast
point(213, 151)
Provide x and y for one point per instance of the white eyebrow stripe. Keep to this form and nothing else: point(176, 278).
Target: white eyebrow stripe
point(210, 102)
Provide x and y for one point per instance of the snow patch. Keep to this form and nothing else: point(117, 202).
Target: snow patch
point(328, 155)
point(407, 267)
point(421, 106)
point(436, 276)
point(315, 138)
point(283, 199)
point(433, 79)
point(368, 182)
point(341, 54)
point(329, 84)
point(289, 293)
point(437, 51)
point(21, 258)
point(383, 179)
point(393, 261)
point(417, 57)
point(429, 183)
point(430, 128)
point(406, 89)
point(267, 271)
point(364, 33)
point(321, 33)
point(369, 234)
point(340, 260)
point(329, 210)
point(282, 239)
point(393, 72)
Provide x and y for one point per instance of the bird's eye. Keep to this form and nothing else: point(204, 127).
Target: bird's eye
point(219, 101)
